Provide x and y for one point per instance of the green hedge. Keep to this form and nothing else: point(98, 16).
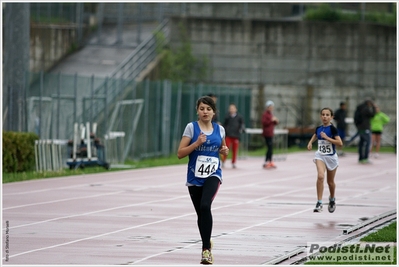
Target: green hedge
point(18, 151)
point(324, 12)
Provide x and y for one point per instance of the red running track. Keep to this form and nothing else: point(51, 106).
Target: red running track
point(145, 216)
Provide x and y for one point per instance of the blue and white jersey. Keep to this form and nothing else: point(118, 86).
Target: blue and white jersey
point(204, 160)
point(326, 147)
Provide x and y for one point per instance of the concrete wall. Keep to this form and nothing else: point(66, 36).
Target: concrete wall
point(302, 66)
point(297, 52)
point(49, 44)
point(239, 10)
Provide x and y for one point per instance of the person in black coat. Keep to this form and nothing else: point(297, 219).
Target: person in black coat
point(363, 114)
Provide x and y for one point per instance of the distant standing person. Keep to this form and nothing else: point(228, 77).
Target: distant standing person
point(215, 99)
point(268, 123)
point(203, 141)
point(340, 116)
point(326, 158)
point(377, 125)
point(234, 126)
point(363, 114)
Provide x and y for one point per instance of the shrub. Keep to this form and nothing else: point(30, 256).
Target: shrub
point(18, 151)
point(323, 13)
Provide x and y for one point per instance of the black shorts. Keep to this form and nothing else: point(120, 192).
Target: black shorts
point(376, 132)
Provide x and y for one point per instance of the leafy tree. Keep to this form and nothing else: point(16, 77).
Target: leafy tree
point(179, 64)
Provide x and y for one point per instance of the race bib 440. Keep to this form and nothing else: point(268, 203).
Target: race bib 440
point(205, 166)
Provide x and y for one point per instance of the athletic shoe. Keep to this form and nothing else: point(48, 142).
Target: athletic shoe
point(331, 206)
point(267, 165)
point(234, 166)
point(272, 165)
point(319, 207)
point(207, 257)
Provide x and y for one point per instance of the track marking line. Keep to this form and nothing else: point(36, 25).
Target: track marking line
point(62, 200)
point(189, 214)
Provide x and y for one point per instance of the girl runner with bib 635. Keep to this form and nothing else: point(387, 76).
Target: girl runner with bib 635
point(202, 141)
point(326, 158)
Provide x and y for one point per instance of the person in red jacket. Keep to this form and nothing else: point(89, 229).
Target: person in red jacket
point(268, 123)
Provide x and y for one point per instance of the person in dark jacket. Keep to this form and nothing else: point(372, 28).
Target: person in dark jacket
point(215, 99)
point(234, 126)
point(268, 123)
point(363, 114)
point(340, 116)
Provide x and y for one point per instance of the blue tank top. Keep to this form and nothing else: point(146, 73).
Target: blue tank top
point(324, 146)
point(204, 160)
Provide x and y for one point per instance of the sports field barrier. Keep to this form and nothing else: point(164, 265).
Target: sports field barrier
point(50, 155)
point(280, 143)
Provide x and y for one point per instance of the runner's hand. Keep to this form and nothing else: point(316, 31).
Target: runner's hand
point(224, 150)
point(201, 139)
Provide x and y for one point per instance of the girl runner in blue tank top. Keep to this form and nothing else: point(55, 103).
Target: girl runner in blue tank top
point(326, 158)
point(202, 142)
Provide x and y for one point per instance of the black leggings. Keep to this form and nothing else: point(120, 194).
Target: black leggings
point(202, 197)
point(269, 152)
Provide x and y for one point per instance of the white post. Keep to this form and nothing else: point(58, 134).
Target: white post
point(75, 140)
point(88, 140)
point(37, 154)
point(94, 128)
point(82, 131)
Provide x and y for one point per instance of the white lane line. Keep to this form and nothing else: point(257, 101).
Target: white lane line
point(100, 235)
point(62, 200)
point(87, 183)
point(97, 211)
point(75, 198)
point(143, 203)
point(138, 226)
point(172, 218)
point(155, 201)
point(254, 225)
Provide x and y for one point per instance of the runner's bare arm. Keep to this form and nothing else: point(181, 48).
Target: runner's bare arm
point(224, 149)
point(314, 137)
point(185, 148)
point(336, 140)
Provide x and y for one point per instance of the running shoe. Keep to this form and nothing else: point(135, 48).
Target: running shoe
point(272, 165)
point(331, 206)
point(319, 207)
point(207, 257)
point(267, 165)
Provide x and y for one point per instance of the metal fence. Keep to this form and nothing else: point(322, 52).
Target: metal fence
point(54, 12)
point(64, 14)
point(148, 121)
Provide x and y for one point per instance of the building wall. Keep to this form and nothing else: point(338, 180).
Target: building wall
point(49, 44)
point(303, 66)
